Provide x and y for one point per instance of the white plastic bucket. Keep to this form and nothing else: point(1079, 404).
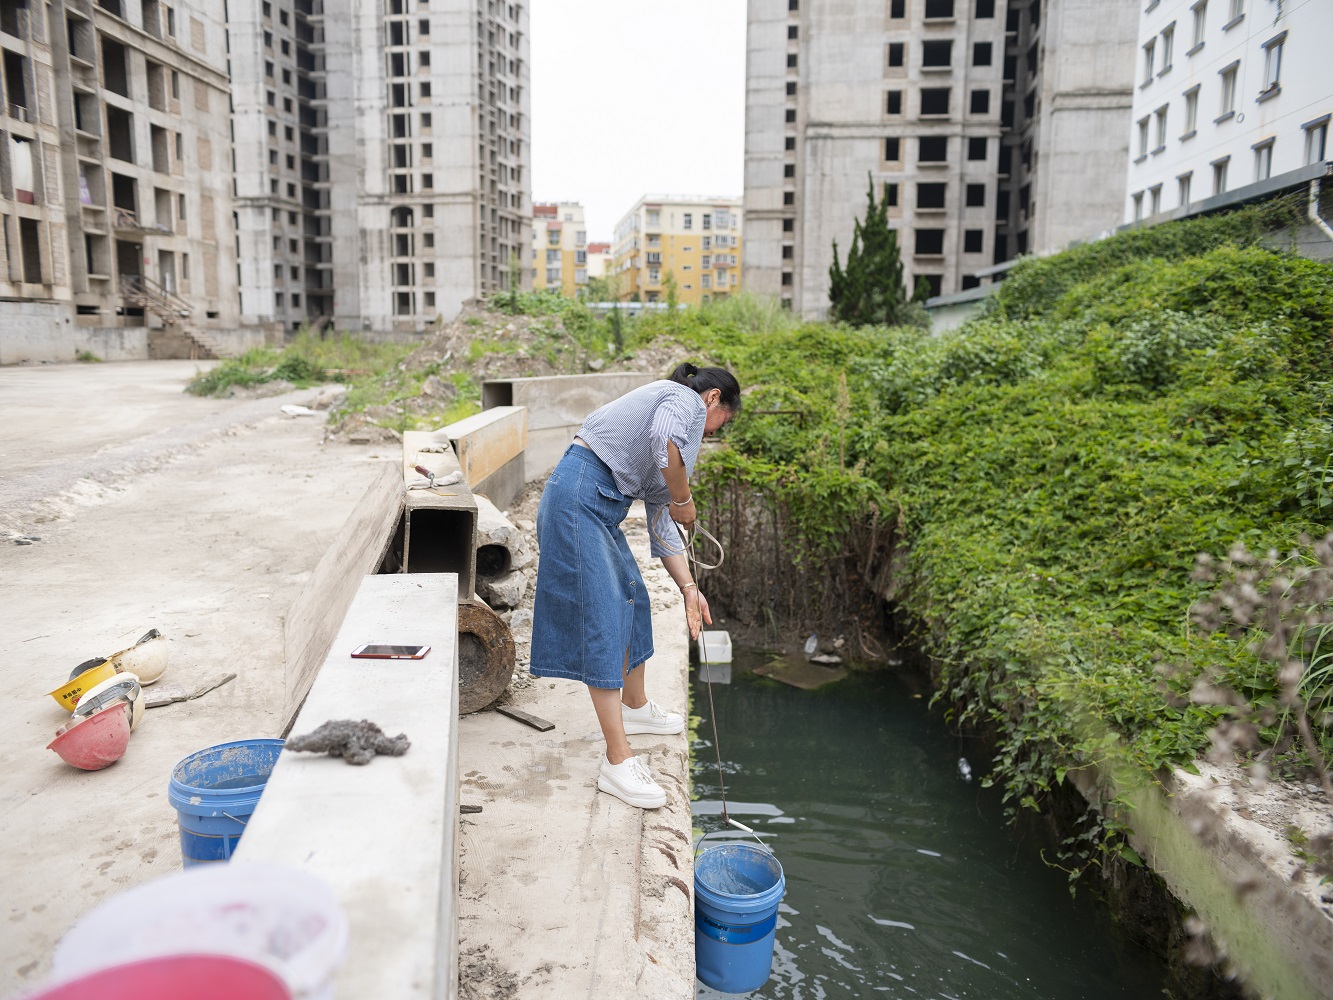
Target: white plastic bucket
point(281, 917)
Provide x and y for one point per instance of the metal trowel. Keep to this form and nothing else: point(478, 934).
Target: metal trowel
point(169, 694)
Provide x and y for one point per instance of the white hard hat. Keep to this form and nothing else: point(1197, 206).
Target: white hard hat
point(121, 687)
point(147, 658)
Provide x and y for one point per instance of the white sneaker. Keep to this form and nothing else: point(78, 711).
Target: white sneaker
point(630, 781)
point(651, 718)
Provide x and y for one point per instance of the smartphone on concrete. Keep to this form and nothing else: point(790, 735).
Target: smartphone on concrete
point(382, 651)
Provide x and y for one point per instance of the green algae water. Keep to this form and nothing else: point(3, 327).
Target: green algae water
point(903, 879)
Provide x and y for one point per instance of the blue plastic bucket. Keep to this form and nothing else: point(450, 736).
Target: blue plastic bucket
point(214, 791)
point(737, 888)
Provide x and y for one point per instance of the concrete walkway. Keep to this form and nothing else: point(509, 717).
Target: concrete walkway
point(201, 518)
point(566, 891)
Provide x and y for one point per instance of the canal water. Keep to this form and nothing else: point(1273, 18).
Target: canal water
point(903, 879)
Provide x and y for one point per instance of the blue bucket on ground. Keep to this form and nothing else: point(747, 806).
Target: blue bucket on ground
point(737, 888)
point(214, 791)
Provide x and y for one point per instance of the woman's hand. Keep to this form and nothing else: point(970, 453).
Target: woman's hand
point(697, 613)
point(684, 514)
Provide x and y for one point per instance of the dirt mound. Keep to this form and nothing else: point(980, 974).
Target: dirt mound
point(484, 343)
point(489, 343)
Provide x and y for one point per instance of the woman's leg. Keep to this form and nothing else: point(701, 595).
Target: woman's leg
point(622, 773)
point(634, 694)
point(606, 703)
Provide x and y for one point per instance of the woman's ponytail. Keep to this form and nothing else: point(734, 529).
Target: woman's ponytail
point(684, 374)
point(703, 379)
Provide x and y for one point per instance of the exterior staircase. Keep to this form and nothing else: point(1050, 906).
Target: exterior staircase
point(171, 309)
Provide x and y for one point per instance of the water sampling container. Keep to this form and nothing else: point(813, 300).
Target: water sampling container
point(737, 888)
point(214, 791)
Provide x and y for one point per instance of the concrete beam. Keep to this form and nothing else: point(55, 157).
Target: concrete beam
point(358, 549)
point(385, 835)
point(490, 447)
point(440, 525)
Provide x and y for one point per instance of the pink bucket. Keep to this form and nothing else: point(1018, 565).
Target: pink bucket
point(172, 977)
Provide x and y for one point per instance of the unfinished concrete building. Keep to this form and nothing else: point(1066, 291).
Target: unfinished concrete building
point(1065, 112)
point(114, 200)
point(377, 194)
point(924, 100)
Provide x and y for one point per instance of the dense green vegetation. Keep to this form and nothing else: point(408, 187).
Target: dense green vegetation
point(308, 360)
point(1050, 472)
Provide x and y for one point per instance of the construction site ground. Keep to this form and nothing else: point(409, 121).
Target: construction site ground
point(126, 505)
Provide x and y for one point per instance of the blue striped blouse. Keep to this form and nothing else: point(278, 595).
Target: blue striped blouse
point(630, 435)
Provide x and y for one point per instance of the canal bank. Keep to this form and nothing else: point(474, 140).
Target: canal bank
point(563, 890)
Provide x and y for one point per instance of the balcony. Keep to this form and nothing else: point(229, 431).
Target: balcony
point(126, 221)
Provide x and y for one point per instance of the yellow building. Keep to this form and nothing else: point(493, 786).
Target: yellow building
point(695, 242)
point(559, 248)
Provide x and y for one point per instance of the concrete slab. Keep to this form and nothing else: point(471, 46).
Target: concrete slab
point(383, 835)
point(566, 891)
point(207, 533)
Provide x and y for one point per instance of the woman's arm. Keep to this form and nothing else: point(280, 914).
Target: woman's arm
point(696, 606)
point(678, 484)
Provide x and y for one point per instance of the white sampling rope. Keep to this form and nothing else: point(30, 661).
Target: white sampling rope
point(687, 538)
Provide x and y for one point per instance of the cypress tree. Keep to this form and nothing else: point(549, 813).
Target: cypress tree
point(870, 289)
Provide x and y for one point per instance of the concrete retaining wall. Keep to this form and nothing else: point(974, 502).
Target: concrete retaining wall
point(1197, 833)
point(164, 344)
point(44, 333)
point(556, 406)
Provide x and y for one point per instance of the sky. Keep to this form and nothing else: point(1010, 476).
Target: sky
point(631, 97)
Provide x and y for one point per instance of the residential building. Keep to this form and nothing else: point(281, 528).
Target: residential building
point(559, 248)
point(379, 193)
point(946, 108)
point(114, 161)
point(693, 241)
point(1232, 94)
point(600, 260)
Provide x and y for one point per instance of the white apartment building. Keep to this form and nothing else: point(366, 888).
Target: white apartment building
point(115, 211)
point(1230, 94)
point(991, 127)
point(382, 154)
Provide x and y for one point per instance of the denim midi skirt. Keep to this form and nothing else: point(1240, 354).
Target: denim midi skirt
point(591, 605)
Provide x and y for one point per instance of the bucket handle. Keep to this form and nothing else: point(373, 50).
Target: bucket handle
point(739, 826)
point(234, 819)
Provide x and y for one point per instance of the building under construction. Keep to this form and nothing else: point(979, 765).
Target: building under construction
point(378, 194)
point(115, 198)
